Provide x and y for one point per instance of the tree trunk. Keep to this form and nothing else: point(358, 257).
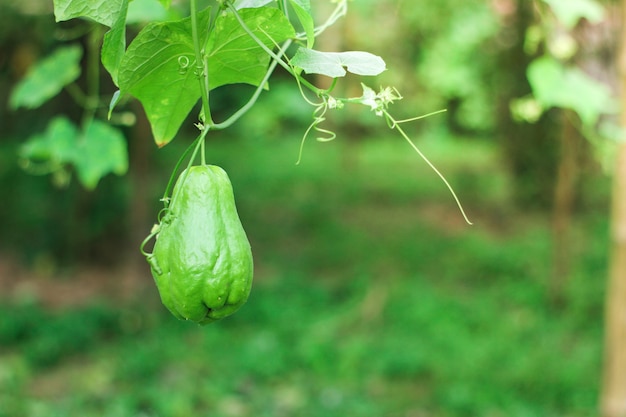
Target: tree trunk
point(140, 216)
point(614, 389)
point(530, 148)
point(564, 200)
point(613, 396)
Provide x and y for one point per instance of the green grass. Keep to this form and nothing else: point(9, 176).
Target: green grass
point(372, 298)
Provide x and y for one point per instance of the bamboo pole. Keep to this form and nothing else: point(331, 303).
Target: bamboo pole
point(613, 395)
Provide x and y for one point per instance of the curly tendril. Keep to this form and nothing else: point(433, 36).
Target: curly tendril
point(183, 64)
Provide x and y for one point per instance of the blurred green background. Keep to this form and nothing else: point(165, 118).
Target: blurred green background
point(372, 296)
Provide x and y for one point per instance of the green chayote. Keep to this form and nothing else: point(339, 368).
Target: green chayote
point(202, 261)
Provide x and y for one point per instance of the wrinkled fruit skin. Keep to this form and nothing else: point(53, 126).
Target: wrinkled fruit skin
point(202, 261)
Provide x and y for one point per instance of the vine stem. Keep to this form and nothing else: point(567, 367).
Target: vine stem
point(340, 11)
point(396, 125)
point(203, 149)
point(246, 107)
point(91, 99)
point(276, 59)
point(201, 67)
point(271, 53)
point(195, 146)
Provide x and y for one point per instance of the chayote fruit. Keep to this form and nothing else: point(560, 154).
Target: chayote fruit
point(202, 261)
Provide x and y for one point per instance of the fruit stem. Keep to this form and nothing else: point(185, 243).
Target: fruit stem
point(195, 146)
point(201, 67)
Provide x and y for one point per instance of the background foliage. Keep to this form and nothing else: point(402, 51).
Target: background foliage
point(372, 297)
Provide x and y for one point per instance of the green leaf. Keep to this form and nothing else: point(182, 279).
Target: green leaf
point(56, 145)
point(555, 85)
point(303, 11)
point(159, 70)
point(234, 57)
point(159, 66)
point(332, 63)
point(303, 4)
point(95, 152)
point(114, 44)
point(250, 4)
point(105, 12)
point(47, 78)
point(569, 12)
point(117, 96)
point(100, 151)
point(143, 11)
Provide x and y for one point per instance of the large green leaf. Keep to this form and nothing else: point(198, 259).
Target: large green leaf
point(234, 57)
point(114, 43)
point(335, 64)
point(159, 70)
point(555, 85)
point(47, 78)
point(159, 67)
point(102, 11)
